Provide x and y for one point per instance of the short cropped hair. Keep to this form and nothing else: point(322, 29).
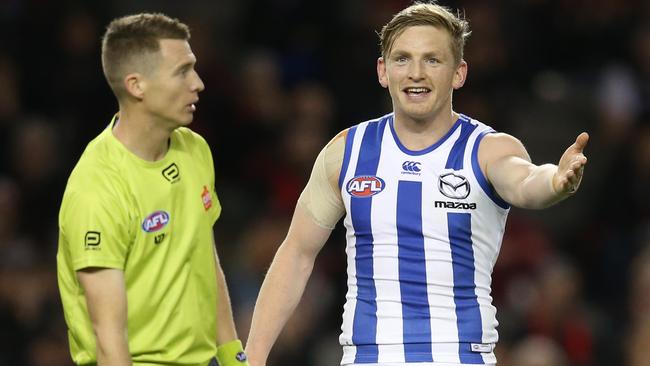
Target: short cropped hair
point(130, 42)
point(426, 13)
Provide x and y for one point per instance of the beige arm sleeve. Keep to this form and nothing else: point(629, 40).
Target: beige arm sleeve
point(321, 197)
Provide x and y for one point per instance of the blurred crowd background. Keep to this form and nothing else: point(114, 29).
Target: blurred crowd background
point(572, 284)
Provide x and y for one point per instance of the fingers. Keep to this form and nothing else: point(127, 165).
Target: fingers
point(578, 162)
point(572, 177)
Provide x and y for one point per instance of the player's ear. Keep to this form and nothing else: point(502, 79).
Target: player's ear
point(460, 75)
point(135, 85)
point(381, 72)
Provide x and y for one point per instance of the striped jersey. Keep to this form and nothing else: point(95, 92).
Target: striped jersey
point(424, 230)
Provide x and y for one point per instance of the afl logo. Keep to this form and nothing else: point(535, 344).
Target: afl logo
point(365, 186)
point(155, 221)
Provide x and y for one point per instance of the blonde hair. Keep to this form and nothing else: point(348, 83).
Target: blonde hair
point(424, 13)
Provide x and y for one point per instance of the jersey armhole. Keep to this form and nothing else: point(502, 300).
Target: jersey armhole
point(349, 139)
point(481, 178)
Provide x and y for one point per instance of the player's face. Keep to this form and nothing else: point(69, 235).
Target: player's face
point(420, 73)
point(172, 88)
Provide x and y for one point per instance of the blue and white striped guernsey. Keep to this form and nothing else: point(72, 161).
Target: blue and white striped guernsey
point(424, 230)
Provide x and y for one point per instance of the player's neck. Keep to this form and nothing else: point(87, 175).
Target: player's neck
point(142, 135)
point(420, 134)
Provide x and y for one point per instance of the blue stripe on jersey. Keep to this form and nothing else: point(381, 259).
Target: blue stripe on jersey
point(364, 326)
point(468, 314)
point(483, 182)
point(349, 139)
point(412, 273)
point(457, 153)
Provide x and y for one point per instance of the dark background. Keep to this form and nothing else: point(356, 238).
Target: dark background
point(572, 284)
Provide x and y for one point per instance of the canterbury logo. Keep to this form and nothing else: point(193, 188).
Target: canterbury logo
point(454, 186)
point(411, 166)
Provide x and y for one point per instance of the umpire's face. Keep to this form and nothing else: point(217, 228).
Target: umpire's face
point(172, 88)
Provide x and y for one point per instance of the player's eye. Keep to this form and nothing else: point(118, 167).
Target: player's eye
point(400, 59)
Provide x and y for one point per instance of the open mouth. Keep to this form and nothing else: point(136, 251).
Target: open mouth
point(417, 92)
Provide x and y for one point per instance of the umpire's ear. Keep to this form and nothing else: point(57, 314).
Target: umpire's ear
point(135, 85)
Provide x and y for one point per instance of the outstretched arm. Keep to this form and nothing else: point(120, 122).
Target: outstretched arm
point(508, 167)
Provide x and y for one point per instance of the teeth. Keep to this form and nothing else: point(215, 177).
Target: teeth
point(417, 90)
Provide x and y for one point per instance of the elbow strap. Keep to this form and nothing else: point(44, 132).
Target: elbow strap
point(232, 354)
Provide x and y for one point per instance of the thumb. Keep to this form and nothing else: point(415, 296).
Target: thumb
point(581, 142)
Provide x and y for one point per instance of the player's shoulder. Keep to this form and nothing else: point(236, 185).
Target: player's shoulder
point(339, 137)
point(499, 140)
point(495, 146)
point(335, 148)
point(382, 120)
point(492, 144)
point(487, 135)
point(337, 144)
point(343, 135)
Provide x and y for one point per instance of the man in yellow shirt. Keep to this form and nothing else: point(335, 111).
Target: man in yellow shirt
point(138, 272)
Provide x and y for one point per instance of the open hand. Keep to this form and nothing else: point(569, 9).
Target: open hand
point(571, 166)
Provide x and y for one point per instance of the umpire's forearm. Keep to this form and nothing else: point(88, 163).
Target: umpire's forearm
point(226, 330)
point(280, 294)
point(112, 348)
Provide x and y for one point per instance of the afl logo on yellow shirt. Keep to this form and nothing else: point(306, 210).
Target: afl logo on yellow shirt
point(155, 221)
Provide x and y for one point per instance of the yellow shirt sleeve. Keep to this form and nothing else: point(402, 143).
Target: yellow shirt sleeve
point(94, 227)
point(321, 197)
point(206, 155)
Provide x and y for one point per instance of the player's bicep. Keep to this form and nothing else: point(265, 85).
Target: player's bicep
point(505, 163)
point(305, 236)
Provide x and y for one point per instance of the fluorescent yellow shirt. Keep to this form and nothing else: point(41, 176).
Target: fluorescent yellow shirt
point(153, 220)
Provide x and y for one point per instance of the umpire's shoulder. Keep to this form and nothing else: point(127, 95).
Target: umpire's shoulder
point(189, 138)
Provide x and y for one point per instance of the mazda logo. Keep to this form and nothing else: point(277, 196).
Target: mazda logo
point(453, 186)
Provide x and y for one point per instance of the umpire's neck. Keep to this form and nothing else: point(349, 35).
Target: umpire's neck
point(143, 134)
